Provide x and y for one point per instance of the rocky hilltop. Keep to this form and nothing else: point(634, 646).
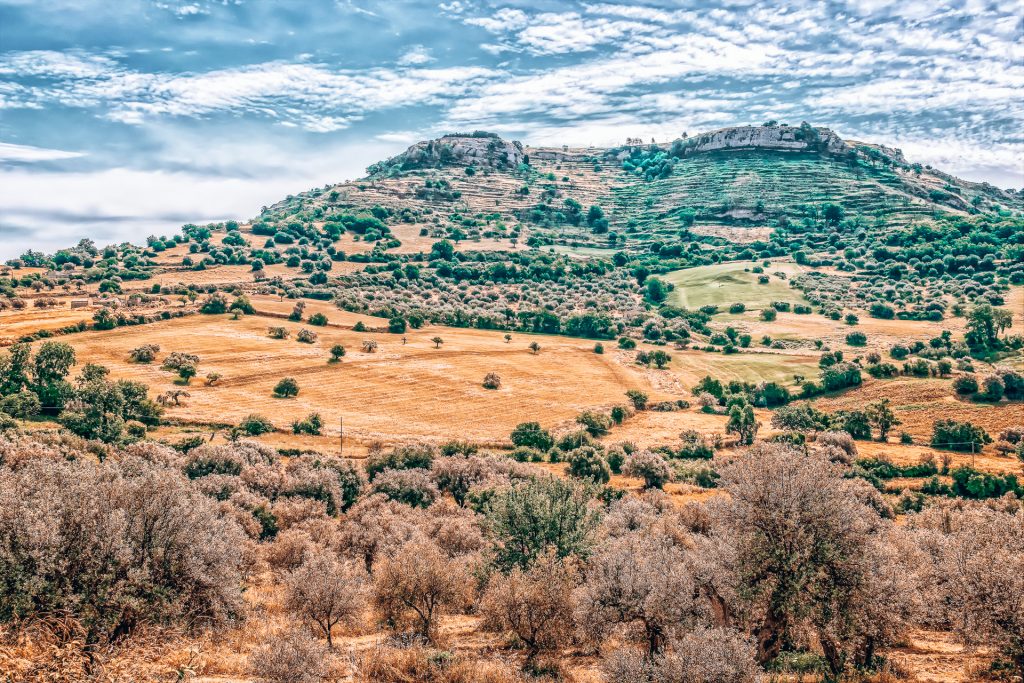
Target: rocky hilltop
point(803, 138)
point(457, 149)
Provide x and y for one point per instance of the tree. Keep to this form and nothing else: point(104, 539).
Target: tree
point(984, 323)
point(325, 593)
point(882, 418)
point(51, 366)
point(656, 290)
point(743, 423)
point(369, 346)
point(286, 388)
point(492, 381)
point(534, 604)
point(640, 579)
point(337, 352)
point(417, 584)
point(528, 518)
point(186, 372)
point(660, 358)
point(14, 369)
point(959, 436)
point(532, 435)
point(508, 338)
point(534, 347)
point(807, 553)
point(397, 325)
point(650, 467)
point(588, 463)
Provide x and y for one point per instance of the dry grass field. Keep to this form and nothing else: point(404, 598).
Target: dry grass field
point(411, 391)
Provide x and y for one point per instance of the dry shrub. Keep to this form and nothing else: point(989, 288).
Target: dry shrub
point(535, 605)
point(325, 593)
point(375, 526)
point(705, 655)
point(836, 446)
point(288, 550)
point(292, 511)
point(418, 664)
point(291, 657)
point(637, 585)
point(141, 537)
point(418, 584)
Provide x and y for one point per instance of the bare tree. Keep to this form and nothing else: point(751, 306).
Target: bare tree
point(536, 605)
point(418, 584)
point(325, 593)
point(637, 579)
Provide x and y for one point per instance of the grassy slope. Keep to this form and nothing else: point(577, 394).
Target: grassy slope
point(727, 283)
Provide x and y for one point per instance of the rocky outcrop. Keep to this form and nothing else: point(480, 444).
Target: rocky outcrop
point(485, 150)
point(802, 138)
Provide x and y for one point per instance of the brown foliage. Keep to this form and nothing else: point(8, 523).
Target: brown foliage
point(417, 584)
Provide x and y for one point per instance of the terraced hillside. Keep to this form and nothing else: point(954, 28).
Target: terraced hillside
point(749, 177)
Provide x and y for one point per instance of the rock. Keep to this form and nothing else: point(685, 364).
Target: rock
point(784, 138)
point(479, 149)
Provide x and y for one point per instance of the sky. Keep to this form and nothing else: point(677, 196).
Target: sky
point(125, 118)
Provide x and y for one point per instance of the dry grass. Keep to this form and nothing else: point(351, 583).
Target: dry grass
point(399, 392)
point(920, 402)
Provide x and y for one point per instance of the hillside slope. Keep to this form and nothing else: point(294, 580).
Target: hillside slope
point(478, 185)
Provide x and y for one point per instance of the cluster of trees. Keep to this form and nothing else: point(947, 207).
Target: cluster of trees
point(796, 560)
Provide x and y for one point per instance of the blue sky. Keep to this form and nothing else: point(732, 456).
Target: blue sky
point(125, 118)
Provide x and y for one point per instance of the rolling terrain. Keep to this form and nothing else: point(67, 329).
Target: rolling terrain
point(368, 371)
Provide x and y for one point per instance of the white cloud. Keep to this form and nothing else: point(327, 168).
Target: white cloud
point(28, 154)
point(415, 56)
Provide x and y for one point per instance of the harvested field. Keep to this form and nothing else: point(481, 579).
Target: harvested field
point(14, 324)
point(399, 392)
point(919, 402)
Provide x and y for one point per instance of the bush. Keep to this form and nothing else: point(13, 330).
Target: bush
point(295, 657)
point(856, 339)
point(637, 398)
point(400, 458)
point(286, 388)
point(411, 487)
point(589, 463)
point(596, 424)
point(532, 435)
point(254, 425)
point(144, 354)
point(737, 308)
point(277, 332)
point(958, 436)
point(965, 384)
point(90, 543)
point(318, 319)
point(492, 381)
point(312, 425)
point(991, 389)
point(306, 336)
point(769, 314)
point(650, 467)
